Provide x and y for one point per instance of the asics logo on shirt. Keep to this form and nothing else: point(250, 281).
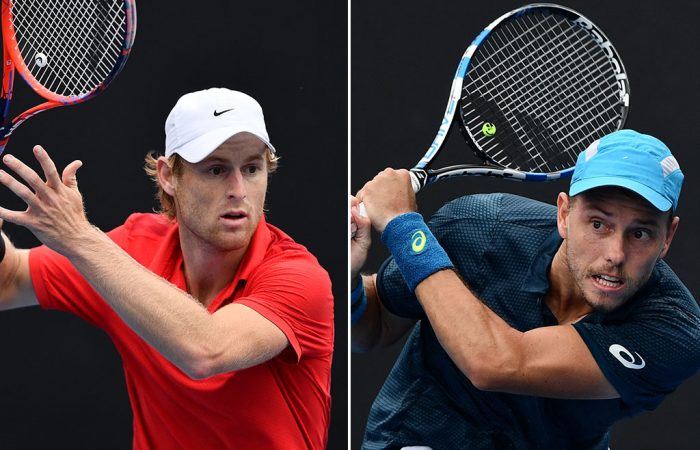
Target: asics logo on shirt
point(626, 358)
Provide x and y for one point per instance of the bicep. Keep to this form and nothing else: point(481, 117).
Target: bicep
point(17, 290)
point(378, 327)
point(556, 362)
point(245, 338)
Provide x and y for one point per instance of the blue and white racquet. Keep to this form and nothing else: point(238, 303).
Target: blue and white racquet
point(534, 89)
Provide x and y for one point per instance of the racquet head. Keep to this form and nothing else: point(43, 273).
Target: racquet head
point(67, 51)
point(533, 90)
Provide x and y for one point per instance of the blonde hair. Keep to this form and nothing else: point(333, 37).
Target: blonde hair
point(176, 164)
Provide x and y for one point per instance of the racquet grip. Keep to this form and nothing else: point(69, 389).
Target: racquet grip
point(415, 184)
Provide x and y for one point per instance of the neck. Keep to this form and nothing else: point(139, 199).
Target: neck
point(208, 270)
point(564, 298)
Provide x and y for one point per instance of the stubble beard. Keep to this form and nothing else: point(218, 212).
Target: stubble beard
point(607, 303)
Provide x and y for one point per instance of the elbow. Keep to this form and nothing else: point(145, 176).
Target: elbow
point(201, 363)
point(492, 375)
point(484, 380)
point(198, 370)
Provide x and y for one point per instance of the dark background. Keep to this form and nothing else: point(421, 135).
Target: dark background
point(404, 56)
point(61, 382)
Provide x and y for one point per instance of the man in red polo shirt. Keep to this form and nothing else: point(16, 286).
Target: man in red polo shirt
point(223, 322)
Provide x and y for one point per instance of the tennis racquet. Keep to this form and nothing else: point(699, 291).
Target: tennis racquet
point(68, 51)
point(534, 89)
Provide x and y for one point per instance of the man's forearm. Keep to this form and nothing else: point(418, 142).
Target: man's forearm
point(475, 337)
point(169, 319)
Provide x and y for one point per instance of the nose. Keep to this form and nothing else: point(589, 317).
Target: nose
point(615, 250)
point(236, 185)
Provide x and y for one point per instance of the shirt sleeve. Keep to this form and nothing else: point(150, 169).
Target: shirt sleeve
point(294, 293)
point(650, 351)
point(59, 286)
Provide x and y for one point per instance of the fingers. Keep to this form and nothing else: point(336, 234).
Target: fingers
point(19, 189)
point(26, 173)
point(48, 166)
point(69, 176)
point(35, 182)
point(16, 217)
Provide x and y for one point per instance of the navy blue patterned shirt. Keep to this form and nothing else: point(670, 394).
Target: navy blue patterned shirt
point(503, 246)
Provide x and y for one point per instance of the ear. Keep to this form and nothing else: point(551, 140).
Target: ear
point(669, 236)
point(563, 209)
point(166, 177)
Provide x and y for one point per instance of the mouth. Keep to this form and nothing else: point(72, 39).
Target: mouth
point(234, 215)
point(608, 282)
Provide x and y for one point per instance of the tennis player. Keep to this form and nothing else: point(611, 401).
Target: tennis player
point(223, 322)
point(538, 327)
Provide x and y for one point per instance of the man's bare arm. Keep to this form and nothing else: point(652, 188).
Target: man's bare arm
point(179, 327)
point(15, 282)
point(377, 327)
point(548, 362)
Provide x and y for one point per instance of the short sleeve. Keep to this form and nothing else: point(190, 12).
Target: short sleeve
point(649, 353)
point(294, 293)
point(58, 285)
point(394, 294)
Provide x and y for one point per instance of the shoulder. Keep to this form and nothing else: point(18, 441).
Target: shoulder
point(476, 217)
point(496, 207)
point(148, 224)
point(289, 276)
point(666, 292)
point(285, 256)
point(141, 231)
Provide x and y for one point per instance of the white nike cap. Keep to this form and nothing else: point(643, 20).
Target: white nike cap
point(201, 121)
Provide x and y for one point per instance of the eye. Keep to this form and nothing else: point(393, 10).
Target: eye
point(597, 224)
point(251, 169)
point(642, 234)
point(216, 170)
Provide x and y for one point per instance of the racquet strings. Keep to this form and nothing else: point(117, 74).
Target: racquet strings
point(549, 89)
point(80, 42)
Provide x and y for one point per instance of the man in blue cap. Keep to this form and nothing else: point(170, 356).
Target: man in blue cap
point(539, 327)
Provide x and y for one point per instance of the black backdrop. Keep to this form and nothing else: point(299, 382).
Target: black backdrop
point(61, 382)
point(404, 55)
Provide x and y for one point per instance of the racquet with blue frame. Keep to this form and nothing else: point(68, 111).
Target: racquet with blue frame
point(534, 89)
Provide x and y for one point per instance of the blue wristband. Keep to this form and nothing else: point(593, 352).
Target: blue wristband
point(416, 251)
point(358, 302)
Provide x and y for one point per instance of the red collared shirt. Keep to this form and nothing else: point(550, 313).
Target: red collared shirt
point(283, 403)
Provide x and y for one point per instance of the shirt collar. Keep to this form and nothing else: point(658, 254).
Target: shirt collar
point(255, 253)
point(537, 280)
point(169, 260)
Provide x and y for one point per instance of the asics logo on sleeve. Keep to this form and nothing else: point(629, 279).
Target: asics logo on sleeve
point(418, 242)
point(626, 358)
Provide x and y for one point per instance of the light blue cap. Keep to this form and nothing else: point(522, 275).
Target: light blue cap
point(635, 161)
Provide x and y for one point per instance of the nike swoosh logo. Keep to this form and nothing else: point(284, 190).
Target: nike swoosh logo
point(626, 357)
point(218, 113)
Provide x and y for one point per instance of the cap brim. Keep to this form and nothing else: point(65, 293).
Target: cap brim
point(657, 200)
point(197, 149)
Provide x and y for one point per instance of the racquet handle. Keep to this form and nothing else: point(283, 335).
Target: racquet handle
point(415, 184)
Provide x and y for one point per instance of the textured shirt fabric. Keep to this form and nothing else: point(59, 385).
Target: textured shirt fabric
point(283, 403)
point(503, 245)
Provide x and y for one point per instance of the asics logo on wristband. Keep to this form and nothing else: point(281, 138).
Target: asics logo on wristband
point(418, 241)
point(626, 358)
